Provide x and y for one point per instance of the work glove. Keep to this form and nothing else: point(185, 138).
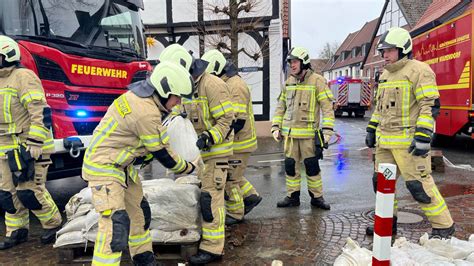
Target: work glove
point(238, 125)
point(370, 139)
point(319, 144)
point(34, 150)
point(204, 141)
point(421, 144)
point(276, 135)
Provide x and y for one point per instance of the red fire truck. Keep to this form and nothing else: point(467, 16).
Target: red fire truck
point(448, 49)
point(352, 96)
point(85, 53)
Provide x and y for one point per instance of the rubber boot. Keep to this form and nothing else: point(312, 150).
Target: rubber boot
point(144, 259)
point(49, 235)
point(292, 201)
point(443, 233)
point(230, 220)
point(251, 202)
point(370, 229)
point(203, 257)
point(17, 237)
point(320, 203)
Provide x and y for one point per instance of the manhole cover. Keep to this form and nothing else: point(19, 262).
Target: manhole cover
point(408, 218)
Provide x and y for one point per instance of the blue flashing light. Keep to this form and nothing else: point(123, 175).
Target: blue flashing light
point(81, 113)
point(340, 80)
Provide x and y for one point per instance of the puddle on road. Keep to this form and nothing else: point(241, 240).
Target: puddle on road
point(450, 190)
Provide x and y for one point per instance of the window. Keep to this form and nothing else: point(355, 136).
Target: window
point(354, 52)
point(368, 73)
point(347, 72)
point(357, 72)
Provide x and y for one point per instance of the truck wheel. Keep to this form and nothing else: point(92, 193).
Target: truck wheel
point(337, 113)
point(359, 114)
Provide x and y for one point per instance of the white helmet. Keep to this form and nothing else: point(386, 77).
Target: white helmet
point(9, 48)
point(170, 78)
point(177, 54)
point(216, 61)
point(396, 38)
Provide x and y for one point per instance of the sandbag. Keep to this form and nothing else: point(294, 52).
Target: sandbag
point(92, 234)
point(173, 206)
point(178, 236)
point(453, 249)
point(74, 225)
point(353, 255)
point(419, 254)
point(83, 197)
point(399, 257)
point(182, 137)
point(69, 238)
point(92, 220)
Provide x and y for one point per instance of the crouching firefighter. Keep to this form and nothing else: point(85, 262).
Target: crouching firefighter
point(240, 195)
point(131, 130)
point(297, 119)
point(211, 113)
point(25, 147)
point(401, 127)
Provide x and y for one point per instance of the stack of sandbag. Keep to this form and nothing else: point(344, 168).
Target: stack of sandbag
point(81, 219)
point(174, 205)
point(405, 253)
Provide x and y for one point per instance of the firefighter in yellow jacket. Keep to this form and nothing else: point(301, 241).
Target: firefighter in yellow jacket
point(211, 113)
point(297, 118)
point(401, 127)
point(131, 132)
point(25, 147)
point(241, 197)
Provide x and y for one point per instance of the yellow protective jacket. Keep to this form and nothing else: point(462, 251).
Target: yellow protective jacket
point(246, 139)
point(406, 93)
point(130, 129)
point(300, 105)
point(25, 117)
point(211, 110)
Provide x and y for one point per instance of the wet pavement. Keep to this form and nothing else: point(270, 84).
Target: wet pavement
point(304, 235)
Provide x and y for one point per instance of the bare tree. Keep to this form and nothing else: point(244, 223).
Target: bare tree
point(328, 50)
point(226, 37)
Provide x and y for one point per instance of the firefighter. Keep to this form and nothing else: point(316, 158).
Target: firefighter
point(132, 132)
point(401, 127)
point(25, 147)
point(211, 113)
point(240, 195)
point(297, 120)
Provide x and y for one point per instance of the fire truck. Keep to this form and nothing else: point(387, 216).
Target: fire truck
point(352, 96)
point(448, 49)
point(85, 53)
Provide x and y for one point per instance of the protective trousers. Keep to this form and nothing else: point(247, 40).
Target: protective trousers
point(416, 172)
point(213, 181)
point(32, 195)
point(124, 220)
point(299, 151)
point(237, 187)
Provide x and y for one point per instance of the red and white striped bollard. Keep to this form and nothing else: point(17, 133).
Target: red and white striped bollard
point(386, 180)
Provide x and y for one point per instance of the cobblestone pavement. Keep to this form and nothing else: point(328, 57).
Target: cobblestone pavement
point(299, 240)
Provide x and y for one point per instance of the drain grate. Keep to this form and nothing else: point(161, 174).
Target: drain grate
point(412, 219)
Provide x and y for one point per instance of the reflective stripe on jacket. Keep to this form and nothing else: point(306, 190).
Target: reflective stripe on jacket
point(406, 92)
point(24, 111)
point(300, 105)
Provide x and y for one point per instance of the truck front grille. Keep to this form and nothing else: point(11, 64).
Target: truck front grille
point(85, 128)
point(90, 99)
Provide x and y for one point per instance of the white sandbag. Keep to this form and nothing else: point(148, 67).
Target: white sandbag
point(467, 246)
point(173, 206)
point(92, 220)
point(353, 255)
point(182, 137)
point(74, 225)
point(82, 210)
point(470, 258)
point(422, 256)
point(399, 257)
point(188, 179)
point(178, 236)
point(443, 247)
point(462, 263)
point(69, 238)
point(83, 197)
point(91, 235)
